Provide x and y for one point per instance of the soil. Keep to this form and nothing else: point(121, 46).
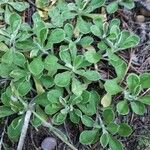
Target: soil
point(139, 59)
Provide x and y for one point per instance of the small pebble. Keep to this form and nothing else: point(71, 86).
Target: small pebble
point(49, 143)
point(140, 18)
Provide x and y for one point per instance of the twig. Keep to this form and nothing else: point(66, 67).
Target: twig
point(3, 133)
point(145, 92)
point(24, 130)
point(56, 131)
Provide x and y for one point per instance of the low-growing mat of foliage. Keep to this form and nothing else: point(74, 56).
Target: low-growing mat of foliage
point(51, 70)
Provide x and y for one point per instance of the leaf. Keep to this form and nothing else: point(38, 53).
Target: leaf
point(86, 41)
point(106, 100)
point(36, 122)
point(113, 128)
point(88, 136)
point(104, 139)
point(62, 79)
point(65, 56)
point(86, 96)
point(76, 87)
point(59, 118)
point(77, 63)
point(145, 99)
point(5, 111)
point(92, 75)
point(123, 108)
point(87, 121)
point(83, 26)
point(6, 69)
point(124, 130)
point(41, 100)
point(19, 59)
point(145, 80)
point(56, 36)
point(114, 144)
point(127, 40)
point(24, 87)
point(112, 87)
point(112, 7)
point(108, 115)
point(14, 129)
point(8, 57)
point(96, 31)
point(54, 95)
point(132, 81)
point(49, 63)
point(92, 57)
point(52, 108)
point(68, 28)
point(138, 108)
point(74, 117)
point(36, 67)
point(19, 6)
point(128, 4)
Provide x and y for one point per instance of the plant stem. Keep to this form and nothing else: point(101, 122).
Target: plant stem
point(24, 130)
point(57, 132)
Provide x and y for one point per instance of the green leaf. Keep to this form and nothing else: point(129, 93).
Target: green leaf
point(36, 67)
point(77, 87)
point(5, 111)
point(19, 6)
point(123, 108)
point(52, 108)
point(113, 128)
point(59, 118)
point(36, 122)
point(138, 108)
point(88, 136)
point(74, 117)
point(87, 121)
point(96, 31)
point(92, 57)
point(24, 87)
point(14, 129)
point(132, 81)
point(104, 139)
point(124, 130)
point(86, 96)
point(41, 100)
point(127, 40)
point(56, 36)
point(86, 41)
point(145, 80)
point(77, 63)
point(129, 4)
point(108, 115)
point(112, 7)
point(68, 28)
point(49, 63)
point(54, 95)
point(106, 100)
point(65, 56)
point(19, 59)
point(114, 144)
point(8, 57)
point(145, 99)
point(83, 26)
point(92, 75)
point(62, 79)
point(112, 87)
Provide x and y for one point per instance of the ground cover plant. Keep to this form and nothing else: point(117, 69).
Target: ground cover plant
point(50, 73)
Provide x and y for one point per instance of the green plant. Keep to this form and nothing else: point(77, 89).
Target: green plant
point(50, 70)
